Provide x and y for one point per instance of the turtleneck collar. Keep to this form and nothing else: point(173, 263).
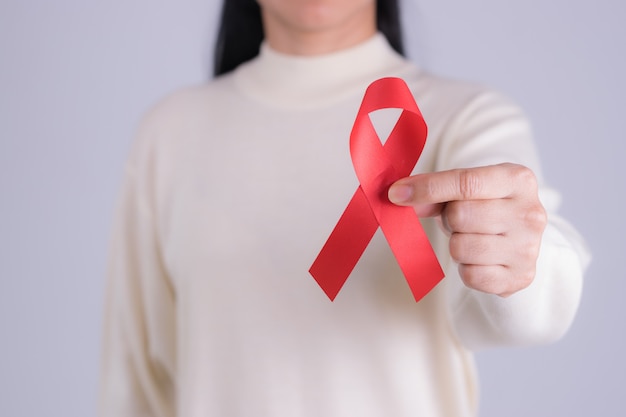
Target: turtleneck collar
point(304, 82)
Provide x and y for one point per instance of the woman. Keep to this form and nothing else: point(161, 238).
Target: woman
point(231, 190)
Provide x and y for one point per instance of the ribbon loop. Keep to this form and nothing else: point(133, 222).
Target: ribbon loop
point(377, 166)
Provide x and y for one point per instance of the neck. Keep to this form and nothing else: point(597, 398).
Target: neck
point(303, 41)
point(303, 82)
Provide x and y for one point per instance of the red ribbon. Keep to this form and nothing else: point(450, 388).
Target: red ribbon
point(377, 166)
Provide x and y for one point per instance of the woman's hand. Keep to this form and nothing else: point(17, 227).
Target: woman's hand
point(493, 216)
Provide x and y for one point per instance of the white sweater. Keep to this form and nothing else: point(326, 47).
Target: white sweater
point(230, 192)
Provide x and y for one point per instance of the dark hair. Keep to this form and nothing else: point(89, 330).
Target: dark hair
point(241, 31)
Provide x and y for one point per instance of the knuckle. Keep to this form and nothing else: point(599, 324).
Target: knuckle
point(469, 184)
point(455, 217)
point(478, 278)
point(469, 276)
point(536, 217)
point(432, 188)
point(530, 252)
point(456, 247)
point(524, 176)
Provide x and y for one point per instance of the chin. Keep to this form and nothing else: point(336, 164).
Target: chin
point(319, 15)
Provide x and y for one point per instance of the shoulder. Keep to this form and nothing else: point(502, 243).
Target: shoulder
point(167, 125)
point(185, 104)
point(444, 98)
point(179, 110)
point(456, 108)
point(470, 124)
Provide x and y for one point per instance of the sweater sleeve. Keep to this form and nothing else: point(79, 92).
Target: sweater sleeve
point(490, 130)
point(138, 354)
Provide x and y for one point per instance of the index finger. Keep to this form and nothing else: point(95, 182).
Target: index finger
point(482, 183)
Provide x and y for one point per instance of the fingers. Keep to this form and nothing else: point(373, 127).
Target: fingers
point(482, 183)
point(479, 249)
point(495, 279)
point(479, 216)
point(492, 263)
point(497, 264)
point(493, 216)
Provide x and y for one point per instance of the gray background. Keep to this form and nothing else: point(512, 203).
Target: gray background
point(76, 75)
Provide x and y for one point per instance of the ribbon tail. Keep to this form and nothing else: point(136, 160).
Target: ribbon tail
point(415, 256)
point(345, 245)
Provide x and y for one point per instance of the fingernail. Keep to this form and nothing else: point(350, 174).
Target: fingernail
point(400, 193)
